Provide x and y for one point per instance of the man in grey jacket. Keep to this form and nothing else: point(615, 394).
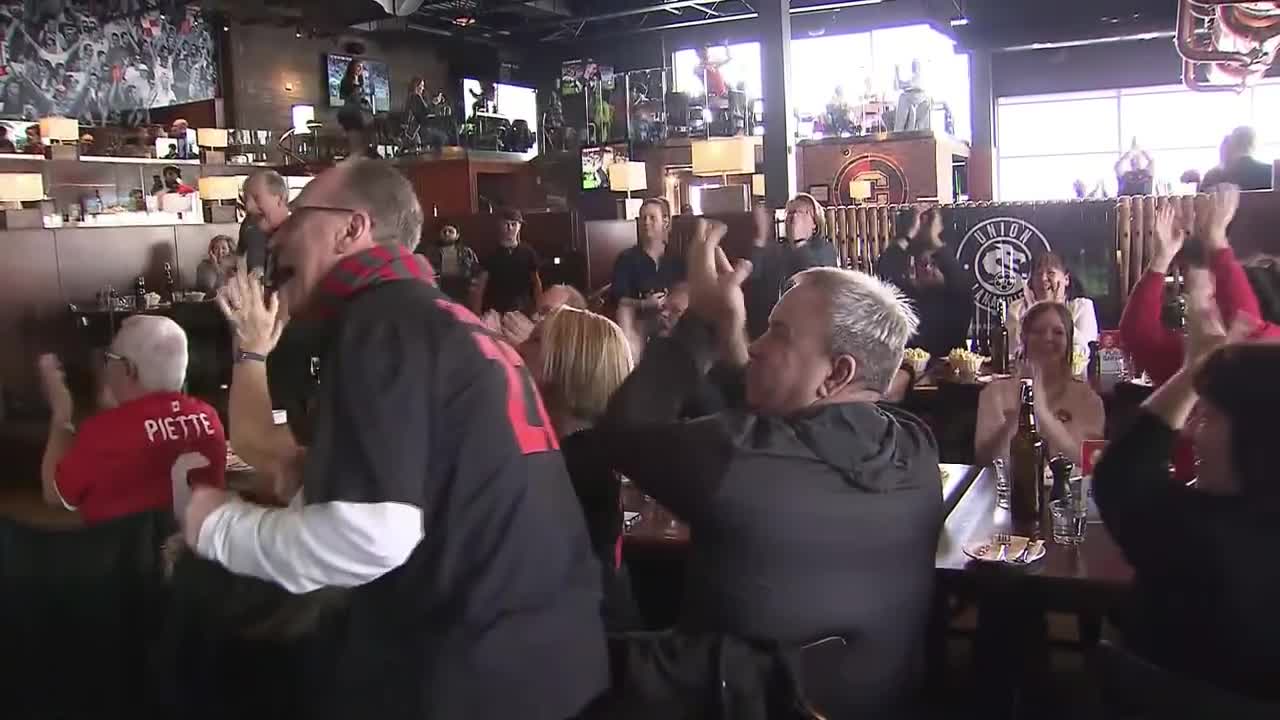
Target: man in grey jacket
point(814, 513)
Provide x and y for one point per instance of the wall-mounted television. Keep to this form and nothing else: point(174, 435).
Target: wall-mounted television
point(596, 162)
point(377, 81)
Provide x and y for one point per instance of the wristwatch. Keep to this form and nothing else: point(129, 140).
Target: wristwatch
point(243, 355)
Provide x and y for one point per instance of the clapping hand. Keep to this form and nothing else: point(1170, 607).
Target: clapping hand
point(54, 381)
point(763, 218)
point(715, 284)
point(1219, 211)
point(1205, 329)
point(257, 320)
point(516, 328)
point(1169, 237)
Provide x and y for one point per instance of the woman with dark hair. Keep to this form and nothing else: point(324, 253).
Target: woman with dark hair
point(1203, 555)
point(1068, 411)
point(354, 114)
point(1050, 280)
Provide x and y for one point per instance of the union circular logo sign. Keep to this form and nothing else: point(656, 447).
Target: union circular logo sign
point(877, 175)
point(999, 252)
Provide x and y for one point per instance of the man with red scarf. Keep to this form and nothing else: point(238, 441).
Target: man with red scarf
point(433, 489)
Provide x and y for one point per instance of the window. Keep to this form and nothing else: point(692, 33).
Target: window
point(1045, 143)
point(876, 63)
point(743, 66)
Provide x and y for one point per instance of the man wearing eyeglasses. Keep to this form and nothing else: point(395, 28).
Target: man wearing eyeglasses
point(150, 444)
point(805, 246)
point(432, 488)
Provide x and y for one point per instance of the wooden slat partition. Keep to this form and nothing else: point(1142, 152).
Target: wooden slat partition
point(861, 232)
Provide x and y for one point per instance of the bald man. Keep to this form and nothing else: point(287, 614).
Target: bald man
point(148, 446)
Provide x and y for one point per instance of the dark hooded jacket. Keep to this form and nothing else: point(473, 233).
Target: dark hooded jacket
point(824, 523)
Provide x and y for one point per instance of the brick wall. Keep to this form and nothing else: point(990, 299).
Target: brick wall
point(265, 60)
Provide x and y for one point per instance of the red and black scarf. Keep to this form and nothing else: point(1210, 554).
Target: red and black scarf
point(363, 270)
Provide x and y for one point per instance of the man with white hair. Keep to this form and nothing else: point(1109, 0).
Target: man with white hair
point(150, 444)
point(815, 512)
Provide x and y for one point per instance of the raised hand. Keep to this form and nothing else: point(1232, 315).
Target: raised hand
point(1169, 236)
point(1205, 330)
point(1221, 209)
point(256, 319)
point(54, 381)
point(516, 328)
point(1058, 290)
point(763, 218)
point(715, 284)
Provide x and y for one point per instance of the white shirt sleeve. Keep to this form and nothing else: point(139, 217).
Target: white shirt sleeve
point(1086, 323)
point(335, 544)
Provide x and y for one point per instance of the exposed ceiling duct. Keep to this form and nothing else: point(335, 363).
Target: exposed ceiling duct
point(1236, 39)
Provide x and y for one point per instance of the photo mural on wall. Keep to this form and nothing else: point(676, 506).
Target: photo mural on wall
point(102, 61)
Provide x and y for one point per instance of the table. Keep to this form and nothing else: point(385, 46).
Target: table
point(657, 526)
point(1091, 576)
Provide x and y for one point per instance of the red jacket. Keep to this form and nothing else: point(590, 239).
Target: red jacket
point(1157, 349)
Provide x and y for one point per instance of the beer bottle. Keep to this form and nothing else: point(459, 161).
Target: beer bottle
point(1093, 371)
point(169, 287)
point(140, 294)
point(1026, 464)
point(999, 342)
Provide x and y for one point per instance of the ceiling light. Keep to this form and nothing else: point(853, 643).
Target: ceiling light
point(464, 21)
point(959, 21)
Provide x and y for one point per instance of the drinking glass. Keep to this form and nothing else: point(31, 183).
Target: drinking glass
point(1068, 521)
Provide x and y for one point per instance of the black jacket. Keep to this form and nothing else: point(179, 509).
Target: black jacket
point(771, 269)
point(825, 523)
point(1208, 586)
point(679, 676)
point(497, 610)
point(944, 311)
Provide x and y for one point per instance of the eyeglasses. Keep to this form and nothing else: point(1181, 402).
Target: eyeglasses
point(108, 356)
point(296, 210)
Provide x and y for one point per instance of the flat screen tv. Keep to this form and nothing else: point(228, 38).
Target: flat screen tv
point(596, 162)
point(377, 81)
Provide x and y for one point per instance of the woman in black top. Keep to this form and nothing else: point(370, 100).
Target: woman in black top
point(355, 111)
point(1204, 555)
point(583, 359)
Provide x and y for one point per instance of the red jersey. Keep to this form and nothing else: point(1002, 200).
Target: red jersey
point(133, 458)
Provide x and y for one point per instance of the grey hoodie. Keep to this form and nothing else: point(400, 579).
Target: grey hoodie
point(823, 523)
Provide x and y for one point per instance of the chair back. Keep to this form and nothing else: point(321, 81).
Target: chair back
point(78, 612)
point(1135, 688)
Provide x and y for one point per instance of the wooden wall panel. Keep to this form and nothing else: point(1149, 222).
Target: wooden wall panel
point(31, 304)
point(88, 259)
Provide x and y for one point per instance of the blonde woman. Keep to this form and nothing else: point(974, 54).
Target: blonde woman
point(1067, 411)
point(583, 359)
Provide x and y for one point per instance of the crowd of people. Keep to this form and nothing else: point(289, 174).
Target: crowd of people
point(458, 483)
